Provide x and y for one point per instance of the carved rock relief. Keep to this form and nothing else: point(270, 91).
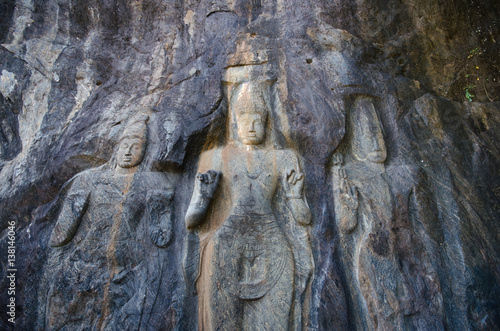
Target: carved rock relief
point(252, 263)
point(78, 66)
point(102, 272)
point(389, 234)
point(248, 257)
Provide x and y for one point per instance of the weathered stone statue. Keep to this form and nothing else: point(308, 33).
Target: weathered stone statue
point(248, 207)
point(380, 213)
point(103, 269)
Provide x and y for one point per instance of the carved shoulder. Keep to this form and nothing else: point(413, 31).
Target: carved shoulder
point(70, 216)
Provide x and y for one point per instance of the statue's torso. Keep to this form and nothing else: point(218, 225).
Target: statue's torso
point(249, 249)
point(251, 178)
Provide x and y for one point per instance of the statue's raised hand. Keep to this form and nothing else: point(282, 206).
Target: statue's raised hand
point(293, 184)
point(346, 207)
point(204, 190)
point(206, 184)
point(347, 191)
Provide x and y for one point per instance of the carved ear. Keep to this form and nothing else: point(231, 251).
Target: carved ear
point(69, 219)
point(159, 209)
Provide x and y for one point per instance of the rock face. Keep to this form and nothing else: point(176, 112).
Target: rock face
point(387, 113)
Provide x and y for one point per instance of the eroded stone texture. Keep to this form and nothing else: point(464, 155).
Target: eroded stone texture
point(73, 73)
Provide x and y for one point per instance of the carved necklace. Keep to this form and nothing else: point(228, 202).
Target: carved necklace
point(252, 175)
point(256, 174)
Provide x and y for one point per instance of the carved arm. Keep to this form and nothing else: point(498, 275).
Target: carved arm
point(298, 210)
point(204, 189)
point(160, 216)
point(345, 196)
point(69, 218)
point(293, 184)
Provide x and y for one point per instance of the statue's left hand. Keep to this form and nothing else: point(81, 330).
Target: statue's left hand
point(293, 183)
point(159, 204)
point(159, 236)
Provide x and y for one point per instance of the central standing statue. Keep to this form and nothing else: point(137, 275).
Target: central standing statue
point(254, 262)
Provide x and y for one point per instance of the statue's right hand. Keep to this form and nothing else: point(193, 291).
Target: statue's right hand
point(204, 190)
point(206, 184)
point(348, 192)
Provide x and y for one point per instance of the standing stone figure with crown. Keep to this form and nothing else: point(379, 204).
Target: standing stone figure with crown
point(387, 227)
point(248, 208)
point(104, 268)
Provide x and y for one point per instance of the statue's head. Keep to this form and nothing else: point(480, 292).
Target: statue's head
point(133, 143)
point(250, 110)
point(367, 140)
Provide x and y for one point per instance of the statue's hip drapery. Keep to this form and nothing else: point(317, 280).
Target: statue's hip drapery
point(246, 271)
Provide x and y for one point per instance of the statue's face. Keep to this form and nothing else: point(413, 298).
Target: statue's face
point(369, 143)
point(130, 152)
point(251, 128)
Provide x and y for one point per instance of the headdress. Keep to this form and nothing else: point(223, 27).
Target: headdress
point(137, 128)
point(249, 98)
